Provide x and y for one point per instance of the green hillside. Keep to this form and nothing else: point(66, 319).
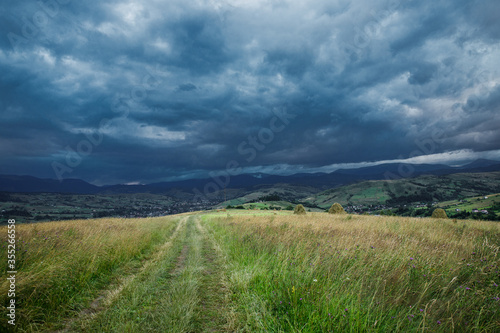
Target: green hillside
point(411, 190)
point(490, 203)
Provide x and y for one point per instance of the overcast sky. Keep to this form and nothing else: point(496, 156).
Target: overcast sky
point(142, 91)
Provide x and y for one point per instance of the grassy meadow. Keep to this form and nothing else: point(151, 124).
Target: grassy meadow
point(257, 271)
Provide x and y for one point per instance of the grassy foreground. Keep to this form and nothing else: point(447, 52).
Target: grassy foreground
point(263, 272)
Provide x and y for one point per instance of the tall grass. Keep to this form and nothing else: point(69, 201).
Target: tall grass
point(62, 265)
point(258, 272)
point(163, 297)
point(320, 273)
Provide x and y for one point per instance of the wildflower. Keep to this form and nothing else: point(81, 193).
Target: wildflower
point(315, 280)
point(346, 310)
point(421, 310)
point(439, 323)
point(411, 258)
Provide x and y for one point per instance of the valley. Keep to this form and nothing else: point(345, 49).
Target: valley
point(416, 196)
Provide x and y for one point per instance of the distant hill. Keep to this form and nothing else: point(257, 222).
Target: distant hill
point(404, 170)
point(297, 186)
point(404, 191)
point(480, 164)
point(398, 169)
point(28, 184)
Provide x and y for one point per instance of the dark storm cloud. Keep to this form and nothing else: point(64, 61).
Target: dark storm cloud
point(144, 91)
point(187, 87)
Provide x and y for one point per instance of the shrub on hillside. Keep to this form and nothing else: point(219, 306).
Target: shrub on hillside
point(336, 209)
point(439, 213)
point(299, 210)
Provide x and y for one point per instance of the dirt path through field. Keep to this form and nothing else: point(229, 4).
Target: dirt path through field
point(214, 310)
point(107, 296)
point(182, 288)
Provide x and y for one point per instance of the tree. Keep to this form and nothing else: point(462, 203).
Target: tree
point(336, 209)
point(299, 210)
point(439, 213)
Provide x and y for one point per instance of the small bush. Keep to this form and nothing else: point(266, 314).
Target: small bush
point(336, 209)
point(299, 210)
point(439, 213)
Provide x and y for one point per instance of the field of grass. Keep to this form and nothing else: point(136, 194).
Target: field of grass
point(272, 205)
point(257, 271)
point(366, 193)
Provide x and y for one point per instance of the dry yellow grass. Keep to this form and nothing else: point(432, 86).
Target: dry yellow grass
point(62, 265)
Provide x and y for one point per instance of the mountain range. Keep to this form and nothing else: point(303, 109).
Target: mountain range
point(314, 182)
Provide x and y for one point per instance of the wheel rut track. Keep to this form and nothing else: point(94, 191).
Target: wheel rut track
point(214, 311)
point(107, 296)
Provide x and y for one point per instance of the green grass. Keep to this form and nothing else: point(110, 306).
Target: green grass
point(469, 204)
point(163, 297)
point(320, 273)
point(62, 266)
point(259, 271)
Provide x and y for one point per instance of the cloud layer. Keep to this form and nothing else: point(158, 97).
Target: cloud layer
point(123, 91)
